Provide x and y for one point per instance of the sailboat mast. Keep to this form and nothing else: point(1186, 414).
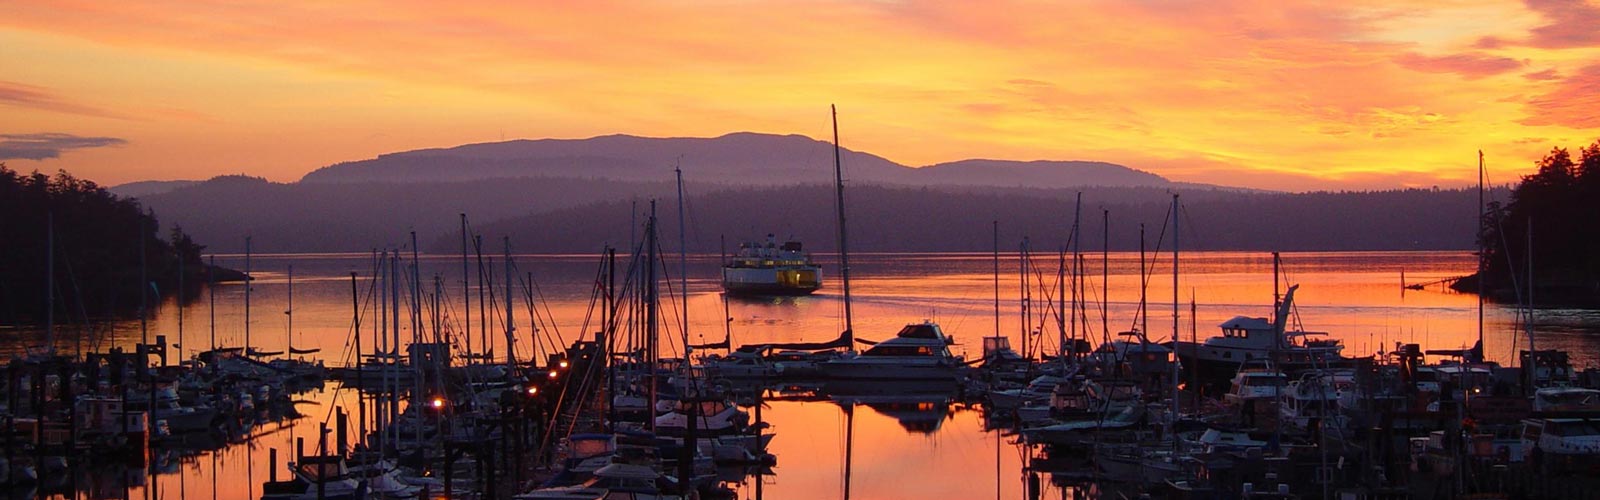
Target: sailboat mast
point(416, 293)
point(50, 283)
point(511, 322)
point(288, 344)
point(355, 322)
point(248, 277)
point(180, 304)
point(1527, 324)
point(144, 283)
point(996, 278)
point(683, 270)
point(466, 283)
point(211, 290)
point(1077, 269)
point(1482, 254)
point(394, 341)
point(483, 304)
point(1022, 295)
point(1144, 289)
point(1105, 275)
point(650, 305)
point(1176, 409)
point(1061, 303)
point(844, 253)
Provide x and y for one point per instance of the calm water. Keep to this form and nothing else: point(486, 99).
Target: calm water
point(934, 451)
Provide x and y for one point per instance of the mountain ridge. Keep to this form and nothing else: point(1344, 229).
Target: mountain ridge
point(737, 158)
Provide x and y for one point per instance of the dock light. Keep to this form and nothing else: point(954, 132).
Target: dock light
point(554, 373)
point(563, 363)
point(533, 391)
point(438, 403)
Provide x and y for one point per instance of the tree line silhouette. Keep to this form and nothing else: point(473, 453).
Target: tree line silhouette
point(96, 261)
point(1555, 212)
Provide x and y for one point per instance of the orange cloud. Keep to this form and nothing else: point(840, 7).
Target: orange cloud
point(1250, 92)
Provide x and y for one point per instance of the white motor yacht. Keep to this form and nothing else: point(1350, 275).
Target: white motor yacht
point(921, 351)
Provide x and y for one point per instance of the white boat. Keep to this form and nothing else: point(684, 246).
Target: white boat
point(1077, 431)
point(320, 477)
point(1138, 465)
point(1567, 399)
point(717, 417)
point(179, 418)
point(1256, 383)
point(612, 482)
point(741, 364)
point(1245, 339)
point(1038, 390)
point(1311, 400)
point(1564, 439)
point(771, 269)
point(921, 351)
point(103, 420)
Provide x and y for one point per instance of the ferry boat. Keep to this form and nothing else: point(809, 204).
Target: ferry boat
point(770, 269)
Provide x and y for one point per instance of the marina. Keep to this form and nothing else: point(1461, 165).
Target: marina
point(952, 429)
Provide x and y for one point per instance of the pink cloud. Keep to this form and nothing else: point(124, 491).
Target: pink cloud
point(1470, 65)
point(1539, 76)
point(29, 96)
point(1573, 23)
point(1571, 104)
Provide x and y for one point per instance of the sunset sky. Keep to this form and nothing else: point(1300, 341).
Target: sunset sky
point(1347, 94)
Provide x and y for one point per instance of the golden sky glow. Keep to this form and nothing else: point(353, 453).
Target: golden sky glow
point(1260, 93)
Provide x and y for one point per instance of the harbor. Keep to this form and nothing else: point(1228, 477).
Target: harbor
point(893, 429)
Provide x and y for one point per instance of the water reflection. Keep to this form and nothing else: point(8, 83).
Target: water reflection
point(908, 442)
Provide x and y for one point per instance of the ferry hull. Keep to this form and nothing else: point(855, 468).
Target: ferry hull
point(771, 281)
point(767, 289)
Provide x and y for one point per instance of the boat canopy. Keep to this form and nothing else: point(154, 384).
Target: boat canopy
point(841, 342)
point(1246, 323)
point(920, 331)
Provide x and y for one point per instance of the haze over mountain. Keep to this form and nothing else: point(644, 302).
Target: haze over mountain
point(564, 195)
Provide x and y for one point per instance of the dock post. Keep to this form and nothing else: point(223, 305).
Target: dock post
point(344, 447)
point(322, 468)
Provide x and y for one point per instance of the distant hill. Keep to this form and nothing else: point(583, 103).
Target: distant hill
point(1036, 174)
point(896, 219)
point(741, 159)
point(146, 188)
point(296, 217)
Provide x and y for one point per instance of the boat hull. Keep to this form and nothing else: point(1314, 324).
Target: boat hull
point(771, 281)
point(861, 370)
point(767, 289)
point(1214, 372)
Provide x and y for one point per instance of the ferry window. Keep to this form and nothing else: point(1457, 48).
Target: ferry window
point(1227, 355)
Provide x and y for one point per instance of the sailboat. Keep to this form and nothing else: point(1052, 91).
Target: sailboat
point(919, 352)
point(299, 369)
